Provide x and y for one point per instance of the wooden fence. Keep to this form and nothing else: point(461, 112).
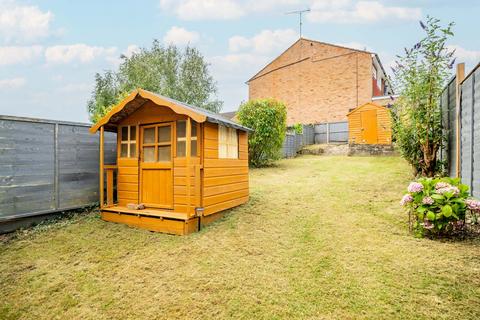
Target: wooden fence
point(460, 105)
point(47, 166)
point(331, 132)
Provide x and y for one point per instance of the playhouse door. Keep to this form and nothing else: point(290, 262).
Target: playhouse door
point(156, 166)
point(369, 126)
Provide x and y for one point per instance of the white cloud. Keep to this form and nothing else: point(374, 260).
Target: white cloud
point(19, 54)
point(350, 11)
point(465, 55)
point(12, 83)
point(203, 9)
point(19, 23)
point(265, 42)
point(77, 53)
point(223, 9)
point(131, 49)
point(180, 36)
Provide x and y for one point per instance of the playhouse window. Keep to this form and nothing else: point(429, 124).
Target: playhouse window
point(128, 142)
point(182, 138)
point(227, 142)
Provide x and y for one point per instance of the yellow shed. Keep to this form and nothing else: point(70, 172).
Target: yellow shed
point(369, 124)
point(177, 168)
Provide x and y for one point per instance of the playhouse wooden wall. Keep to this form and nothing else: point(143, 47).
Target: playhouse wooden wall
point(225, 181)
point(358, 128)
point(128, 170)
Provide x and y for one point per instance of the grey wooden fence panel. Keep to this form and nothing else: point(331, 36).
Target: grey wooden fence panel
point(48, 166)
point(452, 128)
point(334, 132)
point(308, 134)
point(476, 133)
point(466, 136)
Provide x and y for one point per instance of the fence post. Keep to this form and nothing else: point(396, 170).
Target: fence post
point(328, 133)
point(460, 75)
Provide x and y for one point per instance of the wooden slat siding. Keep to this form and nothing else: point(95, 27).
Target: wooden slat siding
point(225, 181)
point(127, 181)
point(180, 184)
point(219, 181)
point(384, 131)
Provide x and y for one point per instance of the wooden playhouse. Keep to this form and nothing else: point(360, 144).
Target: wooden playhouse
point(369, 124)
point(178, 166)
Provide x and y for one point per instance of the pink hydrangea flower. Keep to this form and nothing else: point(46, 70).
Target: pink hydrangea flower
point(428, 200)
point(406, 199)
point(442, 185)
point(473, 204)
point(450, 188)
point(415, 187)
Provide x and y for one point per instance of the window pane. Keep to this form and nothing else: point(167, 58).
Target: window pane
point(133, 133)
point(194, 148)
point(123, 150)
point(194, 128)
point(164, 153)
point(222, 151)
point(149, 135)
point(232, 152)
point(181, 129)
point(181, 148)
point(164, 134)
point(133, 150)
point(124, 133)
point(149, 154)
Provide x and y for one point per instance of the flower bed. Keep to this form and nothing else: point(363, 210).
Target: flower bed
point(439, 206)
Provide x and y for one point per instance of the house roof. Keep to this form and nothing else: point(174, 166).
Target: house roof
point(139, 96)
point(229, 115)
point(305, 39)
point(366, 104)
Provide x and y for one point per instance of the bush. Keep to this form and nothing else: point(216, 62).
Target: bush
point(297, 128)
point(420, 76)
point(438, 206)
point(268, 118)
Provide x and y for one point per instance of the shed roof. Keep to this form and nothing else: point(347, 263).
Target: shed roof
point(139, 96)
point(366, 104)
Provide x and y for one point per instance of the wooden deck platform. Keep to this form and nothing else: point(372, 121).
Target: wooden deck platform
point(157, 220)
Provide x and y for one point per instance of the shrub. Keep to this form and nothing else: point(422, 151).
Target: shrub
point(267, 117)
point(297, 128)
point(438, 206)
point(420, 76)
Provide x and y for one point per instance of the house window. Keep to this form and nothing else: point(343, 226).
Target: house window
point(182, 139)
point(227, 143)
point(128, 142)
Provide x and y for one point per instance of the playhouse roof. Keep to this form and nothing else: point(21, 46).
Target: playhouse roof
point(364, 105)
point(139, 96)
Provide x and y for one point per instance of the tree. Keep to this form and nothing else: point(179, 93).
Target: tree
point(420, 76)
point(170, 71)
point(268, 119)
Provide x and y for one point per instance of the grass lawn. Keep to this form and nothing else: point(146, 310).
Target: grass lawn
point(321, 238)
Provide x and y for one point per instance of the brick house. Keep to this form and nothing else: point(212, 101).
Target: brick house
point(321, 82)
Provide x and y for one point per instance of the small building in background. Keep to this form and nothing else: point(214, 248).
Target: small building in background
point(369, 124)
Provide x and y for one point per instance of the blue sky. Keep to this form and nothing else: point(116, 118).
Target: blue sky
point(51, 49)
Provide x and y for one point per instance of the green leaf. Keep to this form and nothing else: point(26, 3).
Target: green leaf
point(430, 216)
point(421, 209)
point(447, 210)
point(436, 196)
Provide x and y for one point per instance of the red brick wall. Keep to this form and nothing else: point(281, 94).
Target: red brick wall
point(321, 88)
